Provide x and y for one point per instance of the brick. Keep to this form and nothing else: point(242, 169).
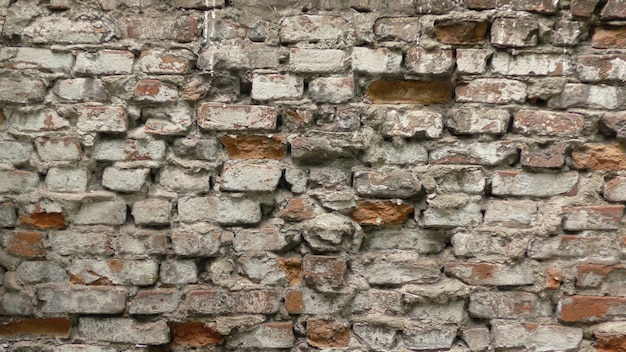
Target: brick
point(318, 149)
point(610, 337)
point(540, 337)
point(15, 153)
point(609, 37)
point(327, 333)
point(332, 90)
point(514, 183)
point(124, 330)
point(77, 241)
point(266, 335)
point(583, 8)
point(247, 177)
point(152, 212)
point(268, 238)
point(81, 299)
point(276, 86)
point(392, 183)
point(573, 246)
point(36, 272)
point(554, 277)
point(378, 301)
point(241, 302)
point(567, 33)
point(194, 243)
point(491, 91)
point(183, 180)
point(255, 147)
point(7, 214)
point(491, 274)
point(409, 92)
point(195, 334)
point(299, 209)
point(178, 28)
point(165, 62)
point(467, 245)
point(374, 61)
point(170, 120)
point(105, 62)
point(154, 301)
point(68, 31)
point(42, 121)
point(324, 270)
point(152, 90)
point(507, 305)
point(613, 10)
point(423, 61)
point(61, 148)
point(494, 153)
point(79, 90)
point(422, 241)
point(598, 217)
point(101, 119)
point(314, 29)
point(477, 121)
point(236, 117)
point(599, 68)
point(476, 338)
point(452, 210)
point(588, 309)
point(548, 123)
point(126, 180)
point(292, 268)
point(413, 123)
point(198, 4)
point(463, 33)
point(381, 212)
point(389, 153)
point(551, 156)
point(17, 303)
point(511, 213)
point(238, 57)
point(113, 272)
point(472, 61)
point(316, 60)
point(134, 241)
point(42, 219)
point(429, 337)
point(35, 327)
point(514, 32)
point(178, 272)
point(531, 64)
point(590, 96)
point(615, 124)
point(615, 189)
point(21, 90)
point(27, 244)
point(375, 337)
point(607, 278)
point(104, 212)
point(198, 148)
point(18, 181)
point(538, 6)
point(397, 28)
point(599, 157)
point(21, 58)
point(395, 268)
point(329, 233)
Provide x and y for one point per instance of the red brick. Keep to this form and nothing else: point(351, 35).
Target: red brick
point(292, 267)
point(554, 277)
point(381, 212)
point(409, 92)
point(181, 28)
point(464, 33)
point(194, 334)
point(548, 123)
point(26, 244)
point(324, 270)
point(155, 91)
point(583, 8)
point(294, 302)
point(610, 342)
point(614, 10)
point(298, 209)
point(327, 333)
point(43, 220)
point(549, 157)
point(610, 37)
point(255, 147)
point(598, 217)
point(591, 308)
point(592, 275)
point(599, 157)
point(236, 117)
point(54, 327)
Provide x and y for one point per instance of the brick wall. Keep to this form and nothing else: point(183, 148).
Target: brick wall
point(309, 174)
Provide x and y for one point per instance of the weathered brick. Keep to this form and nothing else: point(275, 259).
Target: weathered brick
point(319, 149)
point(179, 28)
point(230, 211)
point(198, 148)
point(609, 37)
point(316, 60)
point(35, 327)
point(18, 181)
point(472, 61)
point(589, 309)
point(21, 90)
point(139, 242)
point(605, 277)
point(395, 268)
point(292, 268)
point(599, 157)
point(238, 57)
point(81, 241)
point(451, 312)
point(184, 180)
point(240, 176)
point(510, 213)
point(198, 4)
point(412, 123)
point(104, 212)
point(573, 246)
point(583, 8)
point(491, 274)
point(41, 121)
point(392, 183)
point(195, 243)
point(195, 334)
point(17, 303)
point(535, 336)
point(36, 272)
point(614, 10)
point(268, 238)
point(124, 330)
point(20, 58)
point(306, 301)
point(397, 28)
point(492, 91)
point(381, 212)
point(599, 217)
point(429, 337)
point(515, 183)
point(464, 33)
point(381, 60)
point(127, 180)
point(404, 154)
point(81, 299)
point(539, 6)
point(314, 29)
point(80, 89)
point(7, 214)
point(494, 153)
point(327, 333)
point(541, 156)
point(531, 64)
point(409, 92)
point(615, 124)
point(27, 244)
point(377, 338)
point(42, 219)
point(548, 123)
point(16, 153)
point(598, 68)
point(236, 117)
point(224, 302)
point(452, 210)
point(152, 212)
point(267, 335)
point(101, 119)
point(422, 241)
point(615, 189)
point(474, 121)
point(154, 301)
point(49, 29)
point(567, 33)
point(514, 32)
point(105, 62)
point(178, 272)
point(113, 272)
point(423, 61)
point(61, 148)
point(255, 147)
point(610, 336)
point(590, 96)
point(507, 305)
point(324, 270)
point(332, 90)
point(152, 90)
point(276, 86)
point(165, 62)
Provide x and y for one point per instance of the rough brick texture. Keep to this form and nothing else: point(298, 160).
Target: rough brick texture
point(298, 175)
